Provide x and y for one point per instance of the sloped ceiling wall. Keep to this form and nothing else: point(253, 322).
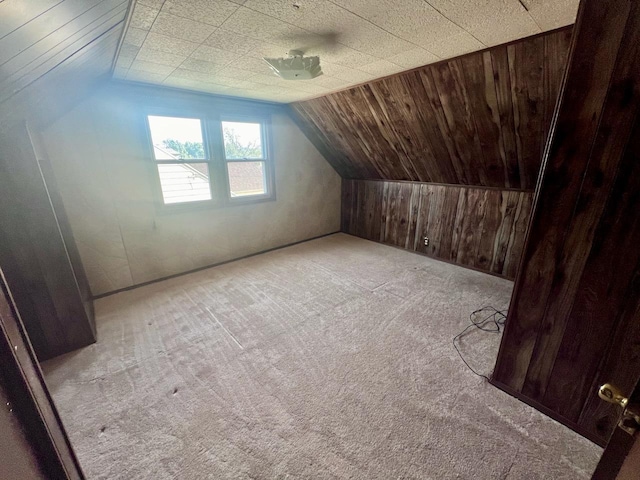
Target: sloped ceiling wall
point(52, 52)
point(480, 119)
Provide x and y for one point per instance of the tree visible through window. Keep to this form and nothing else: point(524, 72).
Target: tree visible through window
point(185, 149)
point(234, 148)
point(242, 140)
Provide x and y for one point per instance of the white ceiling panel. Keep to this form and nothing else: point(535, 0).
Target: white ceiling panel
point(147, 77)
point(155, 4)
point(459, 44)
point(214, 55)
point(157, 56)
point(257, 25)
point(332, 24)
point(328, 82)
point(233, 42)
point(180, 27)
point(413, 58)
point(415, 21)
point(351, 75)
point(550, 14)
point(205, 11)
point(491, 22)
point(202, 66)
point(192, 75)
point(151, 67)
point(166, 43)
point(217, 46)
point(135, 36)
point(380, 68)
point(252, 64)
point(270, 80)
point(143, 16)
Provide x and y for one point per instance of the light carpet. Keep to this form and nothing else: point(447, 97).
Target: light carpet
point(328, 359)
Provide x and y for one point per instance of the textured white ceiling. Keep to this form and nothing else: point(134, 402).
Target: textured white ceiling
point(217, 46)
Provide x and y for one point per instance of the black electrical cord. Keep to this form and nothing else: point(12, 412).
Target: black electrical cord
point(493, 322)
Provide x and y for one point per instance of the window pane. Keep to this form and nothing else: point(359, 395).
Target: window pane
point(246, 178)
point(184, 182)
point(242, 140)
point(176, 138)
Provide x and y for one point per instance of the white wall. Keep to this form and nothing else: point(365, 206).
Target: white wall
point(98, 154)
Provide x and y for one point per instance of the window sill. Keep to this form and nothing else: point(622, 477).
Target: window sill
point(169, 209)
point(249, 199)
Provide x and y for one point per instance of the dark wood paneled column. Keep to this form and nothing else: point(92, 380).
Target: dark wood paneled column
point(574, 320)
point(36, 256)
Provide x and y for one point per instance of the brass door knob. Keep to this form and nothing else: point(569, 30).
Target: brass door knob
point(630, 418)
point(611, 394)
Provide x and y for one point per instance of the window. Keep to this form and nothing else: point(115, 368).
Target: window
point(211, 161)
point(177, 146)
point(245, 156)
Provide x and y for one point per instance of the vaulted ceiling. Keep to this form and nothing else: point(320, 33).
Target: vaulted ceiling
point(481, 119)
point(217, 46)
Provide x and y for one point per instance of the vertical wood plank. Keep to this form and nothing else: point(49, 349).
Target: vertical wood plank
point(509, 149)
point(472, 227)
point(526, 66)
point(491, 223)
point(556, 52)
point(423, 224)
point(483, 111)
point(345, 206)
point(444, 167)
point(414, 214)
point(508, 207)
point(518, 235)
point(436, 229)
point(457, 113)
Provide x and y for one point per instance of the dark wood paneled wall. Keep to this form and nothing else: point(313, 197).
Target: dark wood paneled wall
point(52, 54)
point(481, 119)
point(475, 227)
point(574, 321)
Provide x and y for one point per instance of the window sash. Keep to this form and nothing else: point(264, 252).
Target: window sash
point(188, 160)
point(163, 192)
point(263, 137)
point(203, 136)
point(257, 160)
point(265, 183)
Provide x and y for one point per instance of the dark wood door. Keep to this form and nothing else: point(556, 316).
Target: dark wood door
point(31, 434)
point(621, 458)
point(574, 320)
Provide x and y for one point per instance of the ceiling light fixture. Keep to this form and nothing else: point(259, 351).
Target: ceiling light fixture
point(296, 66)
